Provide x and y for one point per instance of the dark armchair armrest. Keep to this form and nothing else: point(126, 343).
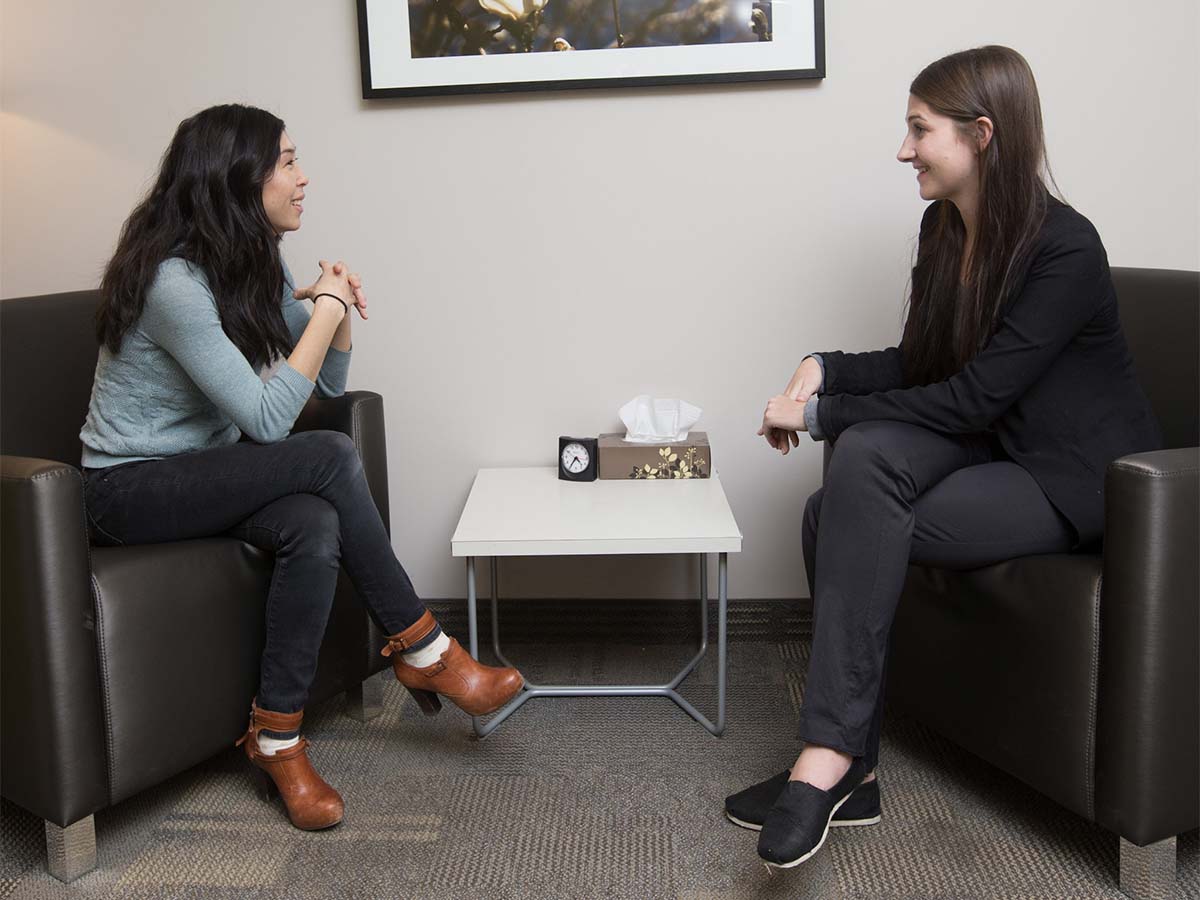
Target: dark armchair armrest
point(358, 414)
point(52, 738)
point(1148, 703)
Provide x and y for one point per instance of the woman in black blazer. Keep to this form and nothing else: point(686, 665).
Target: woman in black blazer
point(982, 436)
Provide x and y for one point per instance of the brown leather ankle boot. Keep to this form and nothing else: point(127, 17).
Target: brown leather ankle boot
point(311, 803)
point(474, 688)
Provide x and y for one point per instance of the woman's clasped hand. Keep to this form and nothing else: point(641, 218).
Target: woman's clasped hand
point(784, 415)
point(337, 279)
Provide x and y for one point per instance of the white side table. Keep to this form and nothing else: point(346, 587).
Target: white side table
point(530, 512)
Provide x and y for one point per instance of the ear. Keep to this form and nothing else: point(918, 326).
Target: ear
point(983, 132)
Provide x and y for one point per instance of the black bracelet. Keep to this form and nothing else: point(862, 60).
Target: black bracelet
point(335, 297)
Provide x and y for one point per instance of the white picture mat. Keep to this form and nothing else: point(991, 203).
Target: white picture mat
point(793, 47)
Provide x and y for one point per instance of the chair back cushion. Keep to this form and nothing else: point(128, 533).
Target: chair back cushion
point(48, 354)
point(1160, 313)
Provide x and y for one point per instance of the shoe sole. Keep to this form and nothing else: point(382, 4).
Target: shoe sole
point(846, 823)
point(834, 823)
point(318, 827)
point(736, 821)
point(807, 856)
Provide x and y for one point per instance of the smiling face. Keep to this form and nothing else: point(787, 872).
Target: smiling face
point(284, 190)
point(946, 161)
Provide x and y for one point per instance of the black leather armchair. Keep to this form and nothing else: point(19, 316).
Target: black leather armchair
point(1080, 673)
point(122, 666)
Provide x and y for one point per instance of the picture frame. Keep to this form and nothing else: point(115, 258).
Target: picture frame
point(414, 48)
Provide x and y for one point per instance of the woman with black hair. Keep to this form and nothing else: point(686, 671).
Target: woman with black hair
point(195, 302)
point(982, 436)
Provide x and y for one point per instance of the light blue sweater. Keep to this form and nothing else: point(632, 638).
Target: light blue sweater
point(180, 385)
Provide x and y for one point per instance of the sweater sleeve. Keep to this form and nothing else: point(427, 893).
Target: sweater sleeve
point(862, 373)
point(181, 316)
point(335, 368)
point(1061, 293)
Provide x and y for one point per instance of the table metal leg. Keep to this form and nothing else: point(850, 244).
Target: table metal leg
point(496, 615)
point(722, 634)
point(483, 728)
point(472, 618)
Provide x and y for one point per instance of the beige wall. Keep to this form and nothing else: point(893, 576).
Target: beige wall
point(535, 260)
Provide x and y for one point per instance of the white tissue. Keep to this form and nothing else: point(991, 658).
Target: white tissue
point(652, 421)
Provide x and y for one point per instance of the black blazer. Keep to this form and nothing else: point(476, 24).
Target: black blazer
point(1055, 382)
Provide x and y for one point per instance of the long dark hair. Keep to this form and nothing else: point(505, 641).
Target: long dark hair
point(206, 207)
point(948, 323)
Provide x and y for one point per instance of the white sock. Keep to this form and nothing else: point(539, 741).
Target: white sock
point(429, 654)
point(269, 746)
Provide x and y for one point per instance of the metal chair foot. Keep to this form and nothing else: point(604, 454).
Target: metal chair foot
point(71, 851)
point(364, 701)
point(1148, 873)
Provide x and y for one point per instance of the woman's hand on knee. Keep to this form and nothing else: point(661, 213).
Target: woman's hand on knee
point(785, 413)
point(781, 420)
point(778, 438)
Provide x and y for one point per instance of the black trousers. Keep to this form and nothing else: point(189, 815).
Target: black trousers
point(897, 493)
point(304, 499)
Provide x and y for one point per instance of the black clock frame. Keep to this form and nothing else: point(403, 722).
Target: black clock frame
point(593, 467)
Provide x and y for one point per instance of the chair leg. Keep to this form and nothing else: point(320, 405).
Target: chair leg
point(364, 701)
point(1148, 873)
point(71, 851)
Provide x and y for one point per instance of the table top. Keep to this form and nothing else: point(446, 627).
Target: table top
point(530, 512)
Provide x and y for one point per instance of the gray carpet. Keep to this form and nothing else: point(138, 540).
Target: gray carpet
point(587, 798)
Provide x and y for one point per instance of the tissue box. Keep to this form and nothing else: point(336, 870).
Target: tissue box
point(691, 458)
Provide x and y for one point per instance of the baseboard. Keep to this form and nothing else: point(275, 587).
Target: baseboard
point(641, 621)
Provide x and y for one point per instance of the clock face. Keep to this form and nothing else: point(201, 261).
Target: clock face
point(575, 458)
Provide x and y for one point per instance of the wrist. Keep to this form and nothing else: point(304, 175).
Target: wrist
point(332, 301)
point(816, 365)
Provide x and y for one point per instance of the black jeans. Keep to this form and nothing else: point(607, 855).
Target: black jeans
point(897, 493)
point(304, 499)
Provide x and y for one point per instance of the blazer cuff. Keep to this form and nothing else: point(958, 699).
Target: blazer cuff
point(811, 420)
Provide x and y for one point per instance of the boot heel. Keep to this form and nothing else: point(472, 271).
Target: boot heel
point(264, 785)
point(429, 702)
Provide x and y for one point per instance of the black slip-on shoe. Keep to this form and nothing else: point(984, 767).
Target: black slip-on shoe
point(862, 807)
point(798, 823)
point(749, 808)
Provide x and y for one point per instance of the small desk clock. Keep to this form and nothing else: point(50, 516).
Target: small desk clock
point(578, 459)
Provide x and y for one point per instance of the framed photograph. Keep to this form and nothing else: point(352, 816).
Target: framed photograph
point(413, 48)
